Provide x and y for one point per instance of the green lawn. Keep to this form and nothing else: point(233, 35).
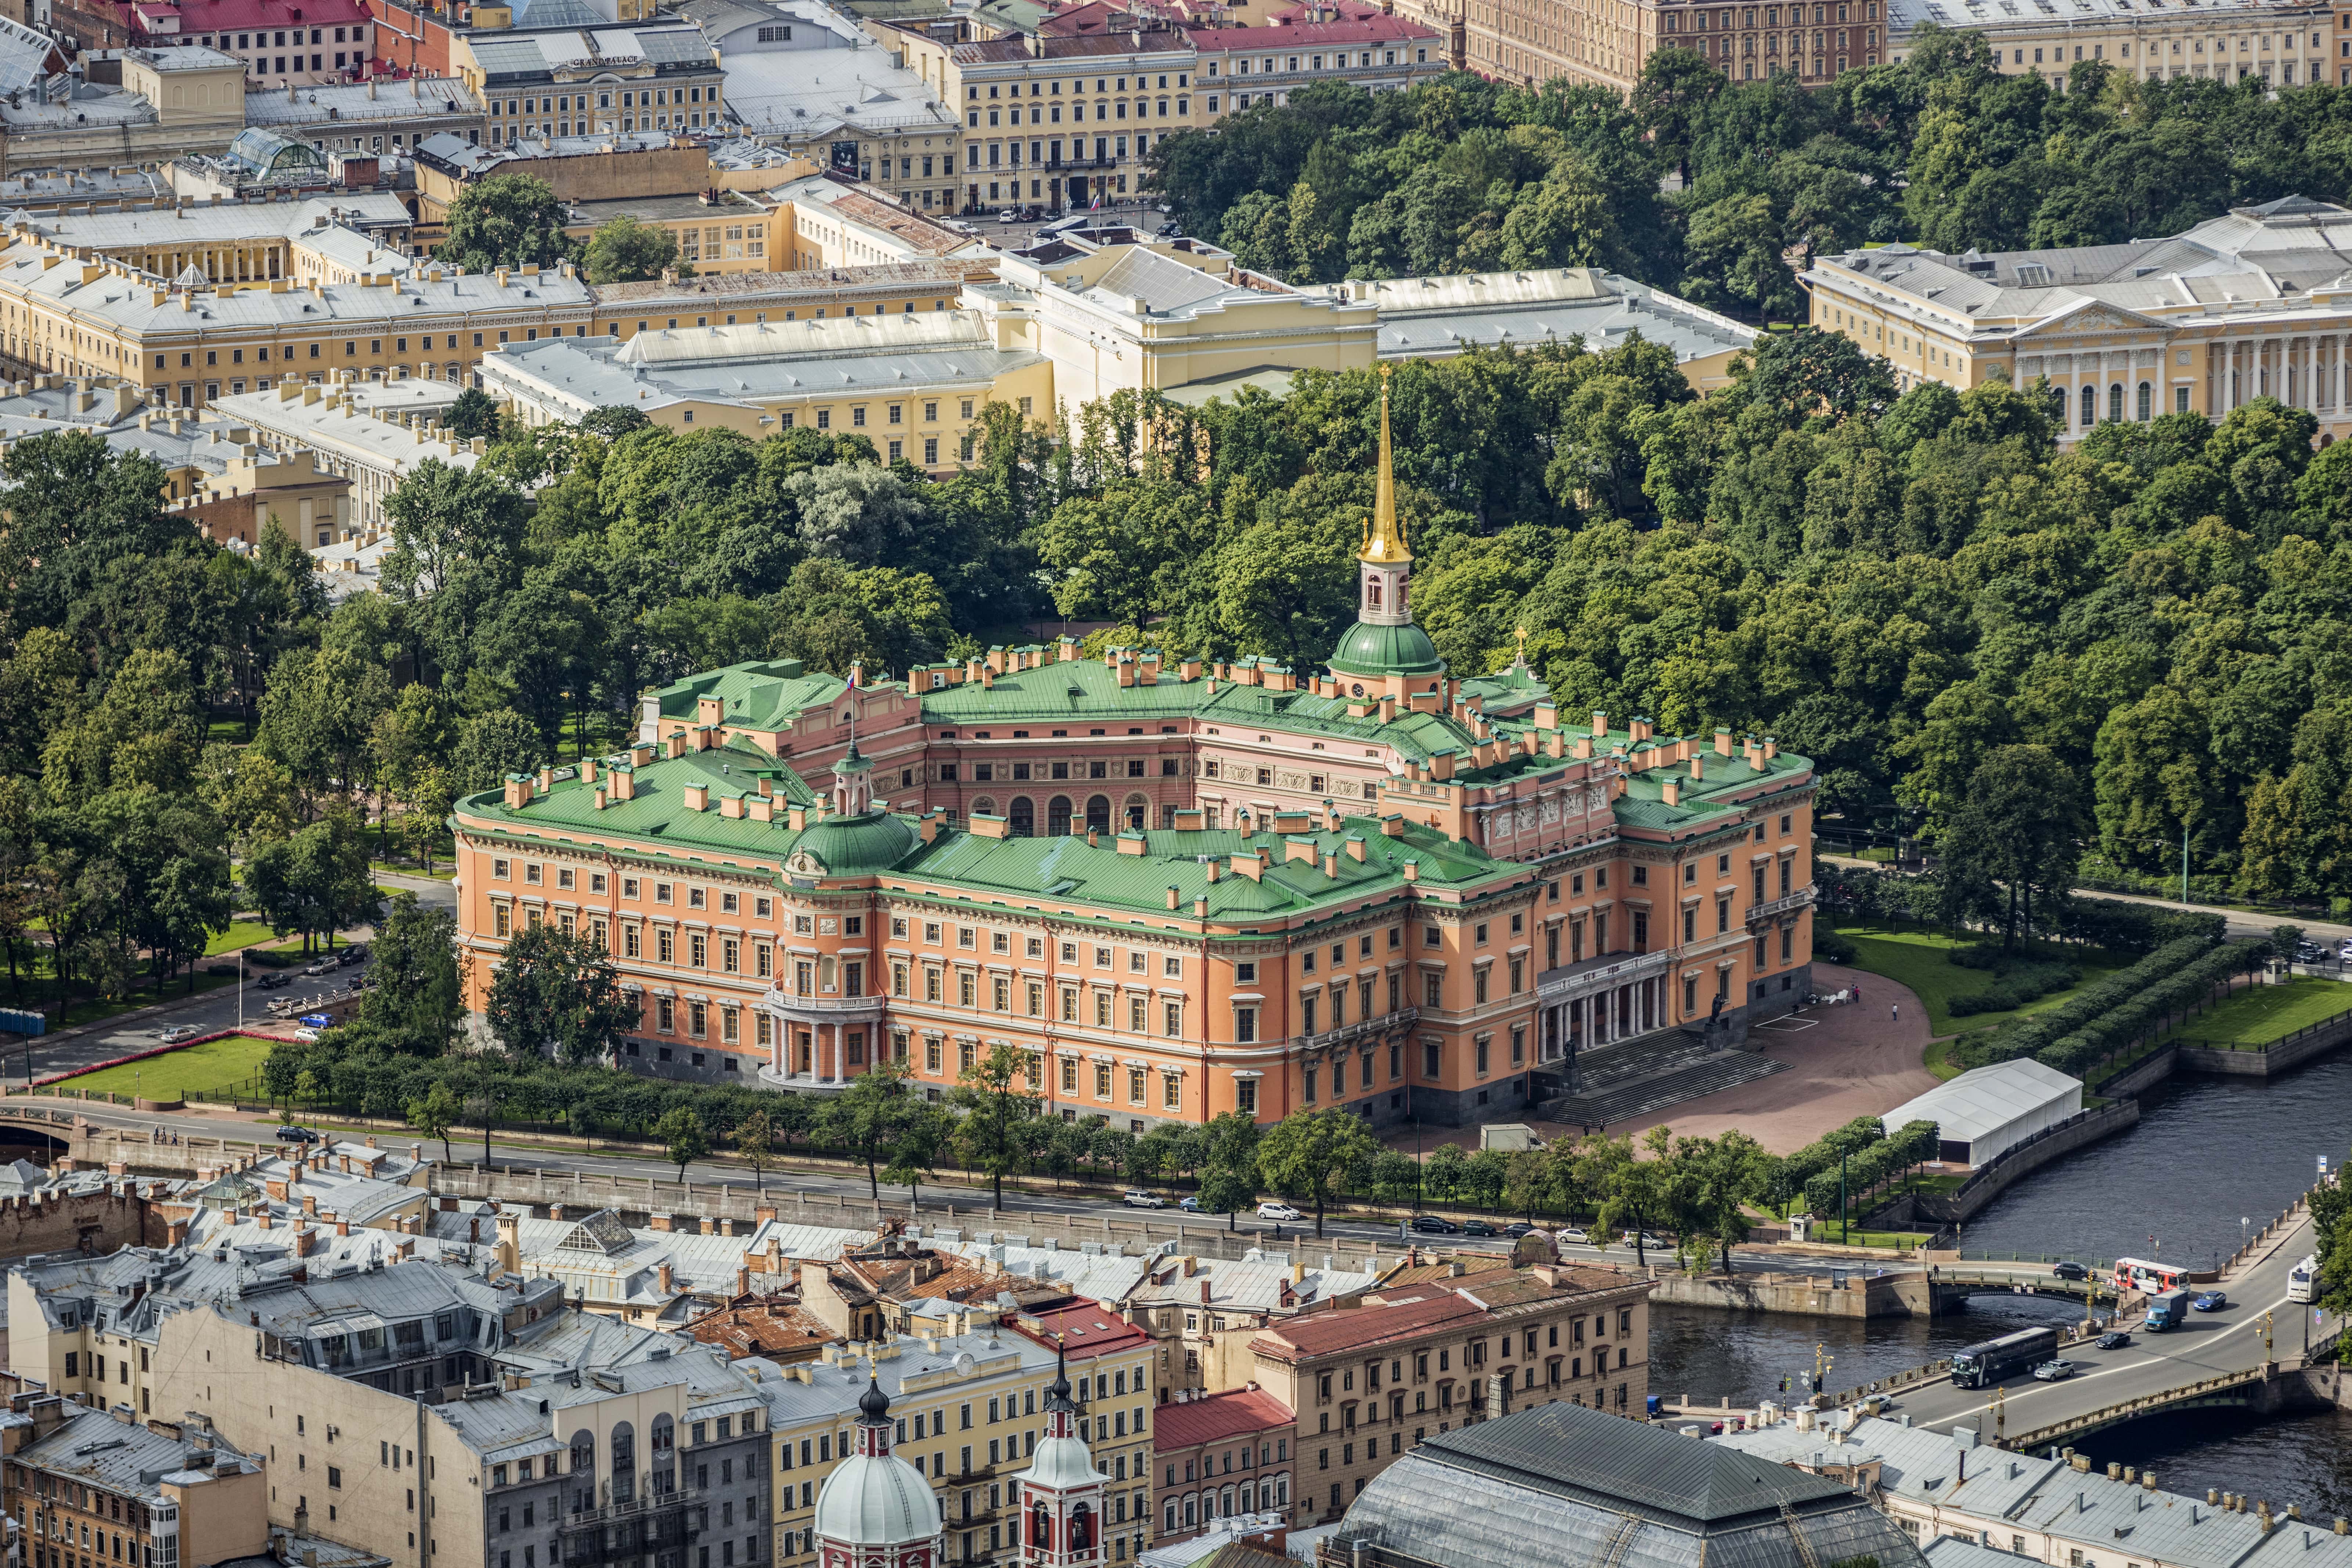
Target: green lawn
point(1916, 959)
point(240, 933)
point(212, 1064)
point(2267, 1013)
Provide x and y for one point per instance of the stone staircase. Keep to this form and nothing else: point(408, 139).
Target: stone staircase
point(1638, 1077)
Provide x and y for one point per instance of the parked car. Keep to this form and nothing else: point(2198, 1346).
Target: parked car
point(306, 1035)
point(355, 953)
point(1434, 1224)
point(1573, 1233)
point(315, 1021)
point(300, 1135)
point(2115, 1339)
point(1276, 1211)
point(2070, 1270)
point(1189, 1203)
point(273, 980)
point(2052, 1371)
point(1137, 1198)
point(1479, 1227)
point(2311, 952)
point(2212, 1301)
point(324, 966)
point(1518, 1228)
point(1644, 1241)
point(178, 1032)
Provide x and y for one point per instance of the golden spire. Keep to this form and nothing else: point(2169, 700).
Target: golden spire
point(1384, 541)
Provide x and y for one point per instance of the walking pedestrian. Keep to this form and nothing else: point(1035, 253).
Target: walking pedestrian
point(1895, 1012)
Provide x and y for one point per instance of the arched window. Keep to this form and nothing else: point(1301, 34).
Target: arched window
point(2090, 406)
point(1041, 1528)
point(625, 1462)
point(1023, 814)
point(664, 1455)
point(1373, 591)
point(1058, 817)
point(2116, 401)
point(1098, 813)
point(2146, 402)
point(984, 806)
point(583, 1469)
point(1082, 1529)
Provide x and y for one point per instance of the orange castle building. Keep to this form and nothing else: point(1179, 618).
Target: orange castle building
point(1180, 888)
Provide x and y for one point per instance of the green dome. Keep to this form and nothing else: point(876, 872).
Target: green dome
point(1366, 650)
point(853, 846)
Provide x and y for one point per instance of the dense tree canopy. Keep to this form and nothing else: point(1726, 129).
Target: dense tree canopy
point(1940, 149)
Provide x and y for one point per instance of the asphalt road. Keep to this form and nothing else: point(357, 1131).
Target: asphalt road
point(72, 1050)
point(2207, 1346)
point(935, 1197)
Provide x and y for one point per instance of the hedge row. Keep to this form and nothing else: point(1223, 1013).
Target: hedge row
point(1874, 1162)
point(1821, 1154)
point(2030, 1037)
point(2026, 983)
point(1869, 893)
point(2113, 1030)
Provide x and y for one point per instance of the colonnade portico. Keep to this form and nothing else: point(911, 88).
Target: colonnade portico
point(1601, 1001)
point(2305, 370)
point(817, 1044)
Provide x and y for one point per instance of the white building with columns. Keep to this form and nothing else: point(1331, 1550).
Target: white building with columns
point(2255, 304)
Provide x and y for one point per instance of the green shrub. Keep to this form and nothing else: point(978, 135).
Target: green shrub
point(1978, 955)
point(1832, 947)
point(2023, 984)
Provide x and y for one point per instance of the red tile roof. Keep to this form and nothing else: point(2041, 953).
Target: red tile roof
point(1352, 1328)
point(1380, 29)
point(1086, 1331)
point(1218, 1417)
point(199, 17)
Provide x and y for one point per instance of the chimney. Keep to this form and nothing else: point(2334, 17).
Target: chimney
point(1600, 725)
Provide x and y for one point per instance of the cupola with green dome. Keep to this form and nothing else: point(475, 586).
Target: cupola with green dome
point(1384, 643)
point(856, 838)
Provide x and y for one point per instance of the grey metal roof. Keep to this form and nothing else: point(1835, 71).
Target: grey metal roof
point(1568, 1447)
point(1577, 1487)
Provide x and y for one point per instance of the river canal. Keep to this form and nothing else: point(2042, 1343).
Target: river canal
point(2207, 1153)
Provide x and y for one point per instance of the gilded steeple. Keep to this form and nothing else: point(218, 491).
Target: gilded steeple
point(1384, 538)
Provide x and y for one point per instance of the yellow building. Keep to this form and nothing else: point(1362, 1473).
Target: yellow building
point(968, 1396)
point(2255, 304)
point(189, 344)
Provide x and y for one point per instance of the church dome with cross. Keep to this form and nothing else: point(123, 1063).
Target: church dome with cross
point(875, 1510)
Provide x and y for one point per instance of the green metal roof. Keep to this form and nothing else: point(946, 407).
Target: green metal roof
point(1367, 650)
point(763, 695)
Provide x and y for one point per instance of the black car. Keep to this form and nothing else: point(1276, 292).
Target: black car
point(1431, 1225)
point(355, 953)
point(273, 980)
point(299, 1135)
point(2070, 1271)
point(1479, 1227)
point(2114, 1340)
point(1518, 1228)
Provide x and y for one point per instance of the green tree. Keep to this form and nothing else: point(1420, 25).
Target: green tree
point(683, 1137)
point(754, 1137)
point(996, 1101)
point(434, 1114)
point(1676, 89)
point(316, 881)
point(506, 220)
point(416, 978)
point(2023, 826)
point(922, 1134)
point(624, 250)
point(1309, 1150)
point(474, 415)
point(557, 994)
point(1229, 1173)
point(864, 1118)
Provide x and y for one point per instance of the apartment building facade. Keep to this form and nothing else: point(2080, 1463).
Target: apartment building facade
point(1437, 1348)
point(187, 344)
point(87, 1486)
point(968, 1407)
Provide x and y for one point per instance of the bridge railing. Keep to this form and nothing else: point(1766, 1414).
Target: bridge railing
point(2140, 1405)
